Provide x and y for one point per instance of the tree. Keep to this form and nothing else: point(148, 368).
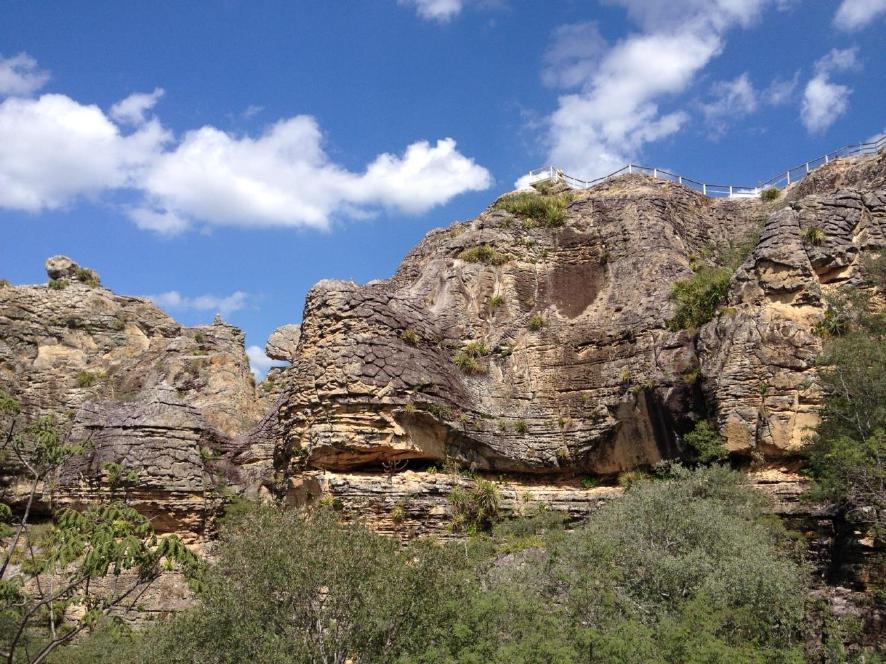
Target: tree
point(49, 569)
point(847, 453)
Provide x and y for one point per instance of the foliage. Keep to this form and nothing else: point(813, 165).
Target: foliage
point(770, 194)
point(706, 444)
point(496, 301)
point(536, 322)
point(86, 379)
point(410, 336)
point(698, 297)
point(847, 453)
point(88, 277)
point(545, 208)
point(5, 283)
point(713, 570)
point(58, 284)
point(483, 253)
point(641, 581)
point(306, 588)
point(467, 358)
point(50, 569)
point(814, 236)
point(476, 508)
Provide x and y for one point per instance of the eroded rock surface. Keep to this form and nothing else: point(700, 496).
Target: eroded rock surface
point(575, 368)
point(155, 398)
point(758, 356)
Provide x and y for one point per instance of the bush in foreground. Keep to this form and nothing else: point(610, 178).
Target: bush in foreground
point(678, 570)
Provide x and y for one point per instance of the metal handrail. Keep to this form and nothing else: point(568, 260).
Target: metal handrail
point(790, 176)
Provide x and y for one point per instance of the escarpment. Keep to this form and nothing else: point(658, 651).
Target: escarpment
point(533, 346)
point(511, 345)
point(156, 405)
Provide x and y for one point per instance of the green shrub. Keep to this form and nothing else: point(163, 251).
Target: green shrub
point(476, 508)
point(58, 284)
point(467, 360)
point(630, 478)
point(770, 194)
point(88, 277)
point(705, 443)
point(496, 301)
point(547, 209)
point(521, 427)
point(814, 236)
point(4, 283)
point(536, 322)
point(483, 253)
point(86, 379)
point(698, 297)
point(410, 336)
point(590, 482)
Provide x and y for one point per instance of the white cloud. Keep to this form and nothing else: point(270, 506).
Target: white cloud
point(731, 99)
point(284, 178)
point(56, 149)
point(132, 110)
point(225, 305)
point(780, 91)
point(837, 60)
point(436, 10)
point(824, 101)
point(856, 14)
point(573, 55)
point(19, 75)
point(616, 110)
point(260, 363)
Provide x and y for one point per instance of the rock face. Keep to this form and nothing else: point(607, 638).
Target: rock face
point(573, 367)
point(758, 356)
point(149, 393)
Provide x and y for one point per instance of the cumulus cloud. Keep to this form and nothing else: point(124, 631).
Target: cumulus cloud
point(436, 10)
point(19, 75)
point(259, 362)
point(856, 14)
point(284, 178)
point(223, 305)
point(824, 101)
point(56, 149)
point(574, 53)
point(731, 100)
point(616, 109)
point(132, 110)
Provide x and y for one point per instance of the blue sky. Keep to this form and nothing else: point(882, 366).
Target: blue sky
point(227, 155)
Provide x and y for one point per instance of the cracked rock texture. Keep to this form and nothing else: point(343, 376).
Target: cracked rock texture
point(576, 369)
point(758, 356)
point(149, 393)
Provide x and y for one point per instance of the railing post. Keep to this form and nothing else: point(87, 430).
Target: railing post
point(630, 169)
point(655, 173)
point(680, 179)
point(730, 191)
point(807, 168)
point(825, 159)
point(704, 189)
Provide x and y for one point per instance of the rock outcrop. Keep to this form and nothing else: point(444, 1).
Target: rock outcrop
point(157, 400)
point(758, 356)
point(566, 360)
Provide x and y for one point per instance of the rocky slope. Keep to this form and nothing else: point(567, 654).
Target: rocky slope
point(160, 404)
point(538, 352)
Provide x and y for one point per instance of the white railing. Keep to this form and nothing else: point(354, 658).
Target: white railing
point(784, 179)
